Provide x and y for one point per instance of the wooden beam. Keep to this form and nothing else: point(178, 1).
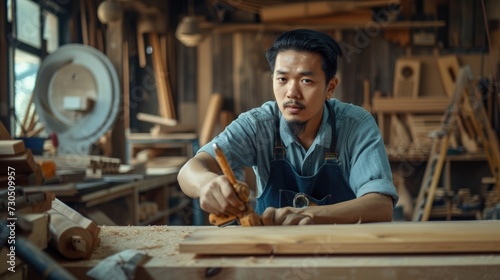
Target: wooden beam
point(211, 118)
point(313, 9)
point(114, 51)
point(410, 105)
point(205, 78)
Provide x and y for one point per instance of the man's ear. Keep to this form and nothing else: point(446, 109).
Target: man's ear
point(331, 87)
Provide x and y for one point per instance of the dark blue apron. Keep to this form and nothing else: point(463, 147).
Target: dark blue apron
point(287, 188)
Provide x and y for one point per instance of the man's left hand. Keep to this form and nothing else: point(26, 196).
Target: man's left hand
point(285, 216)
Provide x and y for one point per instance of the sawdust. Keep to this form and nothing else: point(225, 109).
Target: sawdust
point(158, 242)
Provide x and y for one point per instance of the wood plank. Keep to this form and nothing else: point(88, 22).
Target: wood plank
point(356, 17)
point(375, 238)
point(410, 105)
point(399, 137)
point(312, 9)
point(448, 70)
point(11, 147)
point(211, 118)
point(23, 163)
point(163, 90)
point(204, 78)
point(4, 134)
point(156, 119)
point(161, 244)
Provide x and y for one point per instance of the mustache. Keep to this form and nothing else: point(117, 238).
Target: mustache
point(295, 103)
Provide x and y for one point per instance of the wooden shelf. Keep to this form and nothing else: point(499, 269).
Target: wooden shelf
point(121, 202)
point(229, 28)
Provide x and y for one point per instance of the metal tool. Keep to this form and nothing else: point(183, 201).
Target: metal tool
point(247, 217)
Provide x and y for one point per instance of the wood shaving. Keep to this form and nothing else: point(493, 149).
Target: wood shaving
point(150, 247)
point(270, 259)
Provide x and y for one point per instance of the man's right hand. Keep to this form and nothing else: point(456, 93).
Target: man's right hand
point(218, 197)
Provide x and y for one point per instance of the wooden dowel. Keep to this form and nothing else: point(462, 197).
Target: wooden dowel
point(92, 23)
point(25, 118)
point(83, 22)
point(32, 122)
point(35, 132)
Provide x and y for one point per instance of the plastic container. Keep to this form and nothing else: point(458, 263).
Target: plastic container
point(35, 144)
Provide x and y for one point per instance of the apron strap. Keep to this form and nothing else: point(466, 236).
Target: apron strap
point(333, 153)
point(279, 148)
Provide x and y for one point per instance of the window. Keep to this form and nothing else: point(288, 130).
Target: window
point(35, 32)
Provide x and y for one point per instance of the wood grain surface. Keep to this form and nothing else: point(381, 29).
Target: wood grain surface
point(161, 244)
point(376, 238)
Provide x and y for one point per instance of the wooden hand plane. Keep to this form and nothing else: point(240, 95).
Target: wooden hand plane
point(247, 217)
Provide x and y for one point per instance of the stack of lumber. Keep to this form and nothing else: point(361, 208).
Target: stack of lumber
point(20, 161)
point(414, 111)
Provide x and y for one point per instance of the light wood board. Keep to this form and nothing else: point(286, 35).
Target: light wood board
point(375, 238)
point(161, 244)
point(11, 147)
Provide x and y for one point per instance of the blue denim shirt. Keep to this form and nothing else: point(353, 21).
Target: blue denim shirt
point(249, 141)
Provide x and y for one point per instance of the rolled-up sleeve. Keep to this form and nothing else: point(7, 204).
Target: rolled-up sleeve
point(369, 166)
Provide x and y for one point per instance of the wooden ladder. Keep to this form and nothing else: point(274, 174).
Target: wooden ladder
point(465, 102)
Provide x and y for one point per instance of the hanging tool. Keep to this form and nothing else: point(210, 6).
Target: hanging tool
point(247, 217)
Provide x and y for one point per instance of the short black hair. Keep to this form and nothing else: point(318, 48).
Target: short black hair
point(307, 40)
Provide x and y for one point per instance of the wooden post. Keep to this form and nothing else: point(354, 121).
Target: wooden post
point(114, 51)
point(4, 81)
point(205, 79)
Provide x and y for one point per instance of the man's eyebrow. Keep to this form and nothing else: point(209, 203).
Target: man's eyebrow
point(303, 73)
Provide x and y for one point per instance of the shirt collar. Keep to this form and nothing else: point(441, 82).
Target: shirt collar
point(323, 138)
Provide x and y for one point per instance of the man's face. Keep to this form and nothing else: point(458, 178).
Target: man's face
point(300, 88)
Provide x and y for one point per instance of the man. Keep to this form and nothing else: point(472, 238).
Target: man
point(317, 160)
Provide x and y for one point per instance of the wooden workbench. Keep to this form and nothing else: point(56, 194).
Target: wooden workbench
point(161, 243)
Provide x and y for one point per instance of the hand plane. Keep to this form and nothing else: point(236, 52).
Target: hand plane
point(247, 217)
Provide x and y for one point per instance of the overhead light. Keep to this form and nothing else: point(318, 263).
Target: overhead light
point(189, 32)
